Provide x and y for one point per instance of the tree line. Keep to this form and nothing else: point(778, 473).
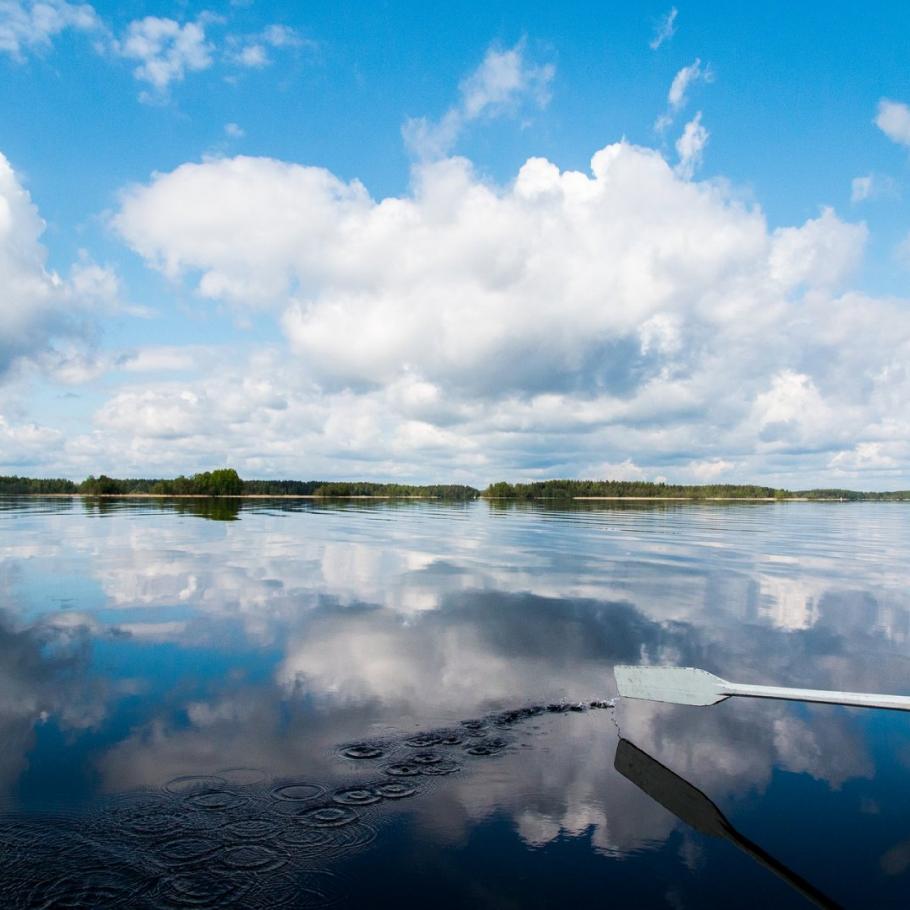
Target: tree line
point(569, 489)
point(227, 482)
point(431, 491)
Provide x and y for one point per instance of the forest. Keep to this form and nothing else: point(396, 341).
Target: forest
point(570, 489)
point(227, 482)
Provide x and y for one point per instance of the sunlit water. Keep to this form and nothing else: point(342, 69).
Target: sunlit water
point(289, 704)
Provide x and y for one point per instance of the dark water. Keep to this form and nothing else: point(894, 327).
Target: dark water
point(401, 705)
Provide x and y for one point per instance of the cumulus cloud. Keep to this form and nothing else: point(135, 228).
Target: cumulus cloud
point(165, 358)
point(28, 444)
point(626, 470)
point(893, 119)
point(824, 252)
point(501, 85)
point(793, 399)
point(165, 50)
point(665, 29)
point(32, 298)
point(29, 25)
point(527, 326)
point(866, 455)
point(457, 281)
point(38, 305)
point(710, 470)
point(48, 322)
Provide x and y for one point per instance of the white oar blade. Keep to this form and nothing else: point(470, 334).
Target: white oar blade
point(677, 685)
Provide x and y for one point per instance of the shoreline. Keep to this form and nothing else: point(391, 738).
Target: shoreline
point(701, 499)
point(498, 499)
point(208, 496)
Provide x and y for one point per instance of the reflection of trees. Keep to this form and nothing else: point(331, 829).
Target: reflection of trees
point(580, 505)
point(213, 508)
point(37, 504)
point(107, 506)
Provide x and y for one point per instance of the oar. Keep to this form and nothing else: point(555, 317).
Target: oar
point(690, 805)
point(690, 686)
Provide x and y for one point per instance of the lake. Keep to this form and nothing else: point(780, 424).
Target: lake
point(299, 704)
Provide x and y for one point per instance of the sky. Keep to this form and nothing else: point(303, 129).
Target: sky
point(495, 241)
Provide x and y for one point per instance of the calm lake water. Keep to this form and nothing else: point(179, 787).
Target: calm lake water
point(390, 704)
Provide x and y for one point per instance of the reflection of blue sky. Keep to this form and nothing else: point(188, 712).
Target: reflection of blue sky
point(193, 644)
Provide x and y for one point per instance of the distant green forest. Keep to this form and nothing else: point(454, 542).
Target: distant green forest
point(569, 489)
point(227, 482)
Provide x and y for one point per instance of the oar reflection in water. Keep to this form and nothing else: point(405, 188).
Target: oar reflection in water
point(691, 806)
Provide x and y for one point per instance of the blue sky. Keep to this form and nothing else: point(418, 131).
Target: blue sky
point(363, 240)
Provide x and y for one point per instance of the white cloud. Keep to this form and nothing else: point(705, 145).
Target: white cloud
point(893, 119)
point(710, 470)
point(234, 130)
point(684, 80)
point(502, 83)
point(166, 50)
point(502, 79)
point(253, 56)
point(870, 455)
point(872, 186)
point(28, 444)
point(691, 146)
point(252, 51)
point(679, 89)
point(792, 398)
point(158, 416)
point(456, 282)
point(35, 306)
point(665, 29)
point(563, 321)
point(28, 25)
point(824, 252)
point(627, 470)
point(97, 284)
point(282, 36)
point(48, 322)
point(165, 358)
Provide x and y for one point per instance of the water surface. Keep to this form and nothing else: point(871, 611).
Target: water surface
point(295, 704)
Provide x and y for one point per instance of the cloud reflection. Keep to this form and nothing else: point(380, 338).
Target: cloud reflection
point(44, 678)
point(307, 628)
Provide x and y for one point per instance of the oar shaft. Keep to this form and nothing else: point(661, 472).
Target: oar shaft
point(853, 699)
